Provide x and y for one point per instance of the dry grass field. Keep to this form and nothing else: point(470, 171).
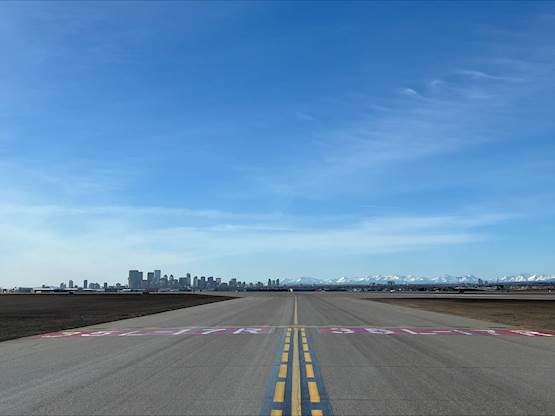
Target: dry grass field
point(533, 314)
point(24, 315)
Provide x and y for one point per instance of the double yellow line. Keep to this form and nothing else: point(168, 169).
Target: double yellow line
point(300, 340)
point(279, 389)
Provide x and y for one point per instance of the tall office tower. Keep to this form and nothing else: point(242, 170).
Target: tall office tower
point(233, 282)
point(70, 284)
point(195, 282)
point(202, 283)
point(85, 284)
point(188, 280)
point(218, 281)
point(269, 282)
point(105, 285)
point(150, 279)
point(135, 279)
point(156, 282)
point(210, 282)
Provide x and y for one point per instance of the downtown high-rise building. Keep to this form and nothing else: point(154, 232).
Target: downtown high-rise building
point(150, 280)
point(135, 279)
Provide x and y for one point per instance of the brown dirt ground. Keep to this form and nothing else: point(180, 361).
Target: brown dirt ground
point(532, 314)
point(24, 315)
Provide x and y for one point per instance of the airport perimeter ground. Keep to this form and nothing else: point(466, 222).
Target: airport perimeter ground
point(22, 315)
point(283, 353)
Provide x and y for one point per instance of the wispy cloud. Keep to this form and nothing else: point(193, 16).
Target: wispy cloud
point(453, 112)
point(480, 75)
point(408, 92)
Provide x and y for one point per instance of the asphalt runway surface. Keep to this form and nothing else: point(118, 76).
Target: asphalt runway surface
point(280, 354)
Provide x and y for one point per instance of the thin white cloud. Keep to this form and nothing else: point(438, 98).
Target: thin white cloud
point(408, 92)
point(448, 115)
point(480, 75)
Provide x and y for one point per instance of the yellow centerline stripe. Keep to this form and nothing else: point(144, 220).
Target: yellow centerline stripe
point(309, 371)
point(296, 376)
point(313, 392)
point(279, 392)
point(282, 371)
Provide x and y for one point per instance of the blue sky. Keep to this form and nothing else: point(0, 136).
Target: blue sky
point(257, 140)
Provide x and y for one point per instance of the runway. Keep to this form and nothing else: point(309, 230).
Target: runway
point(280, 354)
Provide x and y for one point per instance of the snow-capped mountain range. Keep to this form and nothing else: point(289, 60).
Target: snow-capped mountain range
point(411, 279)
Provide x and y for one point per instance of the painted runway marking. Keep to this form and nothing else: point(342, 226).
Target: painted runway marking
point(279, 392)
point(423, 331)
point(296, 387)
point(313, 392)
point(282, 371)
point(166, 332)
point(296, 379)
point(437, 331)
point(278, 399)
point(314, 396)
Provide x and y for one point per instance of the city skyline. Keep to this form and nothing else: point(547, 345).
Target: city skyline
point(155, 281)
point(249, 139)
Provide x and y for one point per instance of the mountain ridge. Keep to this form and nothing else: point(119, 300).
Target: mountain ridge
point(413, 279)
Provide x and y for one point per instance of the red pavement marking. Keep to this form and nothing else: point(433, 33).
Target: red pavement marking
point(159, 332)
point(438, 331)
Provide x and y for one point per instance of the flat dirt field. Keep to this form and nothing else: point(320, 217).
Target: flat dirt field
point(532, 314)
point(24, 315)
